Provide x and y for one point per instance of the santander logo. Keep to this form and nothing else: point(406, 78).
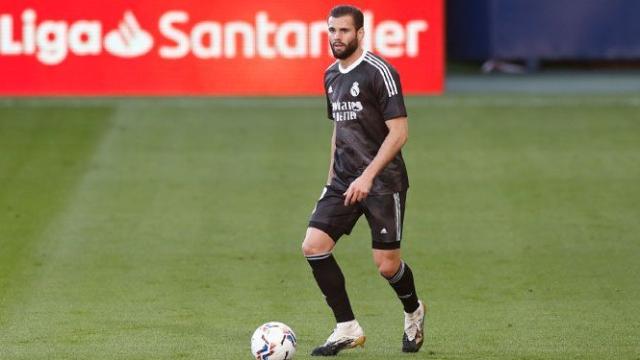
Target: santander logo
point(176, 37)
point(129, 39)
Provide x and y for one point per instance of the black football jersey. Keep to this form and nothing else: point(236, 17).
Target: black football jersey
point(360, 99)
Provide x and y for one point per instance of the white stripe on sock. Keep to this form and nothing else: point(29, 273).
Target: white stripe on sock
point(318, 256)
point(398, 275)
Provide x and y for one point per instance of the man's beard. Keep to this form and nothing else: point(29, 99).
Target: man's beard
point(349, 49)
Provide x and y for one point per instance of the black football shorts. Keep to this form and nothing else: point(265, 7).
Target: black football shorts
point(384, 214)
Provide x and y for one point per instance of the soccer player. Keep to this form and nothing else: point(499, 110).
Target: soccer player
point(367, 176)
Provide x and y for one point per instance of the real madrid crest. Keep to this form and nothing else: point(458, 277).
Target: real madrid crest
point(355, 90)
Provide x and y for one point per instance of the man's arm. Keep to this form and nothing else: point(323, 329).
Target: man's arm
point(396, 138)
point(333, 150)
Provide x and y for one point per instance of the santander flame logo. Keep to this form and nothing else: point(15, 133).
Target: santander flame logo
point(129, 39)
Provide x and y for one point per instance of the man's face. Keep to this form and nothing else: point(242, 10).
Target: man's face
point(343, 37)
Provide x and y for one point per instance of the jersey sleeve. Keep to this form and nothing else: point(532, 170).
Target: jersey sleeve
point(389, 91)
point(326, 95)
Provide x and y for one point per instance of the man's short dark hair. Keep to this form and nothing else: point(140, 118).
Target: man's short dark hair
point(354, 12)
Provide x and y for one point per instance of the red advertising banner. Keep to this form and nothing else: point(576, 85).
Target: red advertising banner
point(197, 47)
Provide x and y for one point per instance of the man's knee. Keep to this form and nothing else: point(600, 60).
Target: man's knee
point(387, 261)
point(389, 268)
point(309, 249)
point(316, 242)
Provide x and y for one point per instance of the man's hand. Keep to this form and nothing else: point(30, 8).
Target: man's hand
point(358, 190)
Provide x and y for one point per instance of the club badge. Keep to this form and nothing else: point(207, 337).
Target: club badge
point(355, 90)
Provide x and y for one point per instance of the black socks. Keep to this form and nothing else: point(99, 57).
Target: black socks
point(402, 283)
point(331, 282)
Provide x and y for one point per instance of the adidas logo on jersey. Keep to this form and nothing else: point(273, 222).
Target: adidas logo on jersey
point(330, 91)
point(383, 231)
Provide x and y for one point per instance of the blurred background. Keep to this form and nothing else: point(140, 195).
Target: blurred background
point(159, 161)
point(563, 46)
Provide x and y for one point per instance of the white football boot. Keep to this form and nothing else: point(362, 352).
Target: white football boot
point(414, 329)
point(346, 335)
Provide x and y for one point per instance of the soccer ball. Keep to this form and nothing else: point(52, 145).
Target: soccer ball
point(273, 341)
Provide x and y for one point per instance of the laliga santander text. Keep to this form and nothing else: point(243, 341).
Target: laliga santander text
point(51, 41)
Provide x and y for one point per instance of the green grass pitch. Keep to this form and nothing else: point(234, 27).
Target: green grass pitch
point(171, 228)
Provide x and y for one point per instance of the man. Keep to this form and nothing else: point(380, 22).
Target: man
point(367, 176)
